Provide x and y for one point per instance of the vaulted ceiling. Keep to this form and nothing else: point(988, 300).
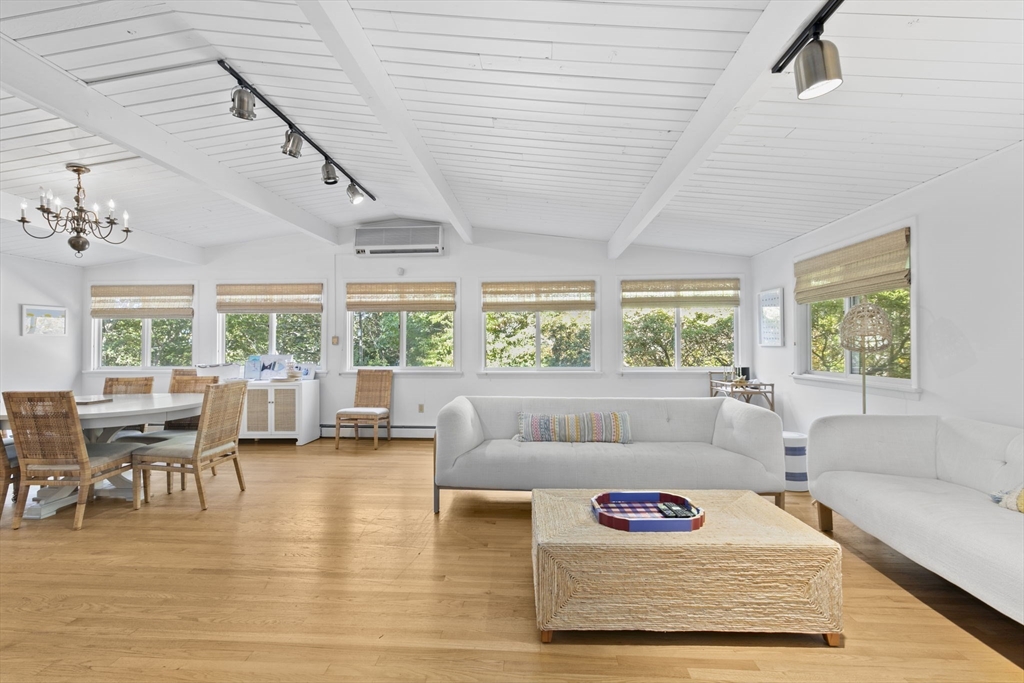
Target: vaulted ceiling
point(652, 122)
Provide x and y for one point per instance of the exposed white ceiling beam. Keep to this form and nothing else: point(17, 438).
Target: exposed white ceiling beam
point(746, 78)
point(139, 242)
point(38, 82)
point(338, 27)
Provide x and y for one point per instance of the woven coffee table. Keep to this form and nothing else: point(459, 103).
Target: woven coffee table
point(752, 567)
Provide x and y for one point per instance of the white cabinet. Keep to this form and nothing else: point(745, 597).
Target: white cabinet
point(282, 410)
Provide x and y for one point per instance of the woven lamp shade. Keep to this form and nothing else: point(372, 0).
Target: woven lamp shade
point(865, 328)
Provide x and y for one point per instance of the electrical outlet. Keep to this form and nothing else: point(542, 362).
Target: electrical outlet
point(421, 407)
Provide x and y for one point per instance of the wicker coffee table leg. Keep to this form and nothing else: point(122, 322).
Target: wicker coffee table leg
point(546, 636)
point(831, 639)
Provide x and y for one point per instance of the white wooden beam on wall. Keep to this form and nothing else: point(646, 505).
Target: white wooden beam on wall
point(337, 25)
point(138, 242)
point(747, 77)
point(38, 82)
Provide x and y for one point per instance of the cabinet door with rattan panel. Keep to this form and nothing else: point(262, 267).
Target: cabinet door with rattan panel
point(257, 410)
point(285, 404)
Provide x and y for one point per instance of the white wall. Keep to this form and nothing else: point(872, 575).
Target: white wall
point(495, 255)
point(36, 362)
point(968, 286)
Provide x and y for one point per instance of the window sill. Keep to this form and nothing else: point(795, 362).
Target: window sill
point(539, 373)
point(406, 371)
point(893, 390)
point(668, 372)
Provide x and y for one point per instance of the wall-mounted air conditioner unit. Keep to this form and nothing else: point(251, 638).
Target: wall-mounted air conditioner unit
point(412, 240)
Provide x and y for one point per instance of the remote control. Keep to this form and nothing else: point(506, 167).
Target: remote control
point(679, 511)
point(665, 510)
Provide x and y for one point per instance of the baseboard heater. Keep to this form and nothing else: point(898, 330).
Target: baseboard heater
point(364, 426)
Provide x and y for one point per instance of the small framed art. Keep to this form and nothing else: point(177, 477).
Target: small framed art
point(47, 321)
point(769, 327)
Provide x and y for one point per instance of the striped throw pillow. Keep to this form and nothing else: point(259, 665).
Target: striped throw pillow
point(581, 428)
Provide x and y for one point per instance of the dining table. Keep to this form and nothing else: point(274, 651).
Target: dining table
point(102, 417)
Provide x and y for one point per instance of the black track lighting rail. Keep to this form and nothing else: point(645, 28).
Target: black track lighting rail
point(810, 32)
point(291, 125)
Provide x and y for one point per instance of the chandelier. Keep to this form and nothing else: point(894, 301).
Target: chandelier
point(79, 222)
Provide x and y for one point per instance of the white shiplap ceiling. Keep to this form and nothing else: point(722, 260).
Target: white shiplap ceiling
point(543, 116)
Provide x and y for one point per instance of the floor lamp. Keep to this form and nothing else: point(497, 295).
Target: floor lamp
point(865, 327)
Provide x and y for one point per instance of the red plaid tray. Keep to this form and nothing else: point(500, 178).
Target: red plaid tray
point(638, 511)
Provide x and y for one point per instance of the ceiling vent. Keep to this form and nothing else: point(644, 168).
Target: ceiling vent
point(418, 240)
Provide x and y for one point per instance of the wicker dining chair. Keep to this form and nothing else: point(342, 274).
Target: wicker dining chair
point(183, 372)
point(10, 470)
point(52, 449)
point(128, 385)
point(216, 442)
point(372, 404)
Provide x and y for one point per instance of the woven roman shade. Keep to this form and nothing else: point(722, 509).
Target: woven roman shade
point(141, 301)
point(271, 298)
point(874, 265)
point(678, 293)
point(400, 296)
point(574, 295)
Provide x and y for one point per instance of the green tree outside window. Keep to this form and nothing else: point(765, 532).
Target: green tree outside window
point(430, 339)
point(245, 334)
point(170, 342)
point(827, 355)
point(121, 343)
point(705, 337)
point(511, 339)
point(299, 334)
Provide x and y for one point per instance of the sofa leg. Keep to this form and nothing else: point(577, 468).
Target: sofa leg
point(824, 516)
point(437, 499)
point(780, 500)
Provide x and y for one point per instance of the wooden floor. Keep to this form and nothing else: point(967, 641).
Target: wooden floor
point(331, 567)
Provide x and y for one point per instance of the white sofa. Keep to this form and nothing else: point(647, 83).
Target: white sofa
point(922, 485)
point(696, 443)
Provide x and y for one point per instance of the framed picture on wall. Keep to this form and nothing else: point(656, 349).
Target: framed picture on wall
point(47, 321)
point(769, 327)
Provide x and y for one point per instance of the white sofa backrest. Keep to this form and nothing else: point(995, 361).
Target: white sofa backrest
point(981, 455)
point(903, 445)
point(650, 419)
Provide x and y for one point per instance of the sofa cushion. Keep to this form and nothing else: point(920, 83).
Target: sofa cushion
point(979, 454)
point(651, 419)
point(511, 465)
point(580, 428)
point(955, 531)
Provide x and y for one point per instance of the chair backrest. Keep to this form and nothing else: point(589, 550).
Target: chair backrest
point(46, 428)
point(183, 372)
point(221, 419)
point(185, 384)
point(127, 385)
point(373, 389)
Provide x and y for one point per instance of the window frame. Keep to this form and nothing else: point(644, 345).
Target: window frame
point(95, 327)
point(737, 326)
point(897, 386)
point(595, 336)
point(346, 331)
point(222, 342)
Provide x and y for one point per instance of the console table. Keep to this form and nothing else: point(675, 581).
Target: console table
point(282, 410)
point(744, 391)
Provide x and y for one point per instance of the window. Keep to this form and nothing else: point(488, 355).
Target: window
point(875, 271)
point(142, 325)
point(827, 356)
point(538, 325)
point(272, 318)
point(401, 324)
point(679, 323)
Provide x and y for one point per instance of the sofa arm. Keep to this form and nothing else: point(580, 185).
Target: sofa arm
point(458, 431)
point(901, 445)
point(754, 432)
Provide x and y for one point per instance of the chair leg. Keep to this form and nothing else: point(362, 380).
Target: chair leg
point(7, 486)
point(136, 488)
point(19, 507)
point(238, 473)
point(17, 486)
point(213, 470)
point(146, 481)
point(437, 499)
point(170, 482)
point(83, 498)
point(376, 426)
point(389, 428)
point(337, 433)
point(183, 480)
point(199, 487)
point(355, 430)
